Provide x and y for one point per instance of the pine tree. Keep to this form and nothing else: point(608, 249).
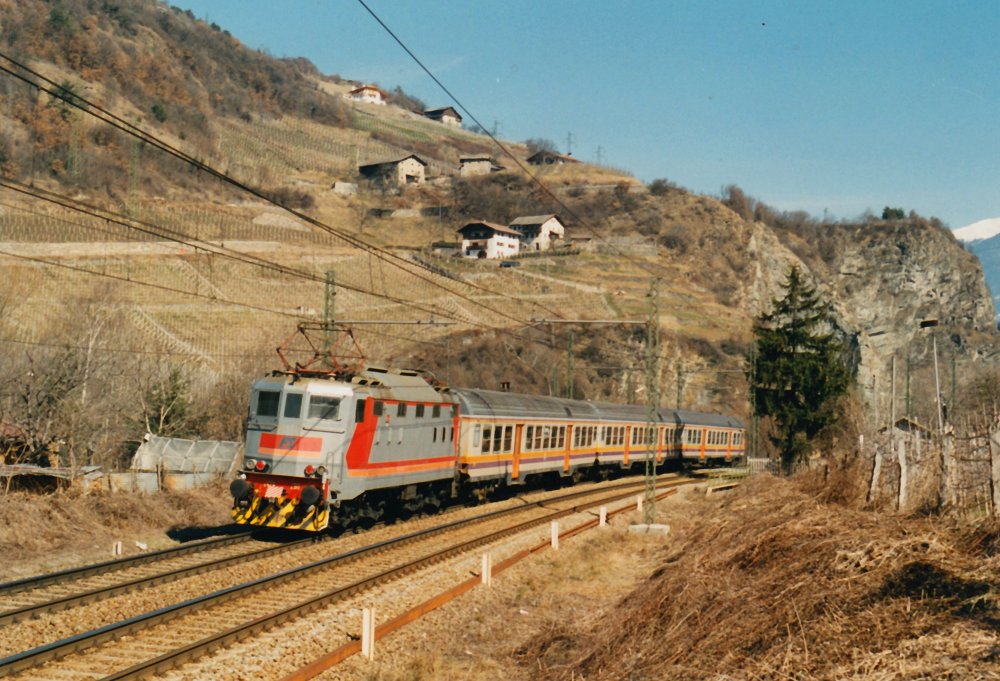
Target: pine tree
point(799, 368)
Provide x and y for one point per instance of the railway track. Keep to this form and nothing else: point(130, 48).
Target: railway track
point(169, 636)
point(113, 578)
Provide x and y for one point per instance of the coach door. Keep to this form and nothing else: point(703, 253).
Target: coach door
point(515, 470)
point(567, 442)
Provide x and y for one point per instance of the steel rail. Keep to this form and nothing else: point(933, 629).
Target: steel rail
point(101, 593)
point(345, 651)
point(206, 645)
point(36, 656)
point(70, 574)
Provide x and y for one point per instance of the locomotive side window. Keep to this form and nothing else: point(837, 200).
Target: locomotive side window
point(377, 408)
point(436, 412)
point(420, 411)
point(293, 405)
point(401, 409)
point(323, 407)
point(267, 403)
point(359, 411)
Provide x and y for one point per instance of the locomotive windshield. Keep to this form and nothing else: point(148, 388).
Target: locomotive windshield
point(322, 407)
point(267, 403)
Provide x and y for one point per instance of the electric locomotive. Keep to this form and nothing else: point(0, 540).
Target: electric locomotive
point(350, 447)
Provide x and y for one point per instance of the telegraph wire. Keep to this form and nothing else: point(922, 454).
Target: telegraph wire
point(106, 116)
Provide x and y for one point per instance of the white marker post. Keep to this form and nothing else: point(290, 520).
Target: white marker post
point(116, 550)
point(487, 570)
point(638, 503)
point(555, 535)
point(604, 516)
point(368, 633)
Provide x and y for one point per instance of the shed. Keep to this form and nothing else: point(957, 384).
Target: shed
point(399, 172)
point(446, 115)
point(481, 239)
point(538, 232)
point(478, 164)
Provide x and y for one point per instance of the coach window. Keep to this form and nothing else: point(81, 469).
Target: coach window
point(508, 438)
point(420, 411)
point(293, 405)
point(497, 438)
point(267, 403)
point(487, 439)
point(538, 438)
point(323, 407)
point(476, 435)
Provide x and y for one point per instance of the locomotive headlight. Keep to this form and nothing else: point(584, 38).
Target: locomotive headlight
point(321, 471)
point(249, 464)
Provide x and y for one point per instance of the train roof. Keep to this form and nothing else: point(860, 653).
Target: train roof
point(496, 404)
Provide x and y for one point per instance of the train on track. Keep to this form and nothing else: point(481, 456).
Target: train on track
point(353, 448)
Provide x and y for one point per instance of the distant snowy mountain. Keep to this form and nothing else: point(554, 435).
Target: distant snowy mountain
point(983, 240)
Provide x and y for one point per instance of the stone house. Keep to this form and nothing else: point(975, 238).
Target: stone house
point(538, 232)
point(402, 172)
point(483, 239)
point(550, 158)
point(368, 94)
point(478, 164)
point(447, 115)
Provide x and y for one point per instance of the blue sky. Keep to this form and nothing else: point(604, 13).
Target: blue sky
point(836, 107)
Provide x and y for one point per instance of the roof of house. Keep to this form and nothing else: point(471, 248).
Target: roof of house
point(438, 113)
point(364, 88)
point(539, 155)
point(392, 162)
point(475, 157)
point(489, 225)
point(534, 220)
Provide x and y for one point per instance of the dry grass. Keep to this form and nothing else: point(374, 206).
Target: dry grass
point(50, 532)
point(775, 584)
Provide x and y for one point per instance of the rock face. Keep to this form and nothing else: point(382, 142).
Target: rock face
point(884, 280)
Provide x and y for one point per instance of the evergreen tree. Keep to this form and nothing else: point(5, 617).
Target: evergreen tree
point(798, 369)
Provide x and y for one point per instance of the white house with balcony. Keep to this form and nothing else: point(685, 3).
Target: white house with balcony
point(481, 239)
point(539, 232)
point(367, 94)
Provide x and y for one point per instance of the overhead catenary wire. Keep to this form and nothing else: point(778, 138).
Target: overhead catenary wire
point(130, 223)
point(108, 117)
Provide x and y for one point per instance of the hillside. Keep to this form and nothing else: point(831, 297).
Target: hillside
point(139, 276)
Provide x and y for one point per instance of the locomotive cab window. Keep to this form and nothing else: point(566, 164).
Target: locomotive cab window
point(323, 407)
point(359, 411)
point(293, 405)
point(267, 403)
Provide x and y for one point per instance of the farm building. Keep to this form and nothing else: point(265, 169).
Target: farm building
point(483, 239)
point(368, 94)
point(538, 232)
point(447, 115)
point(550, 158)
point(479, 164)
point(401, 172)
